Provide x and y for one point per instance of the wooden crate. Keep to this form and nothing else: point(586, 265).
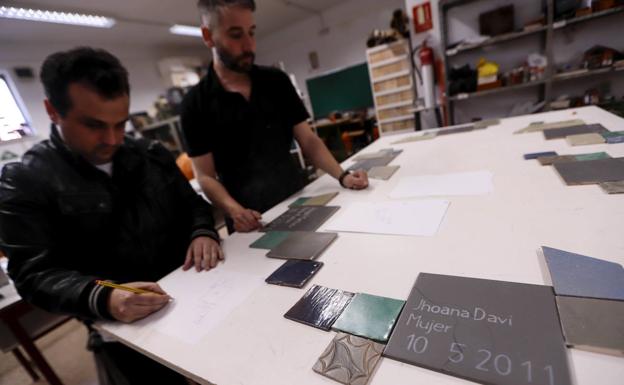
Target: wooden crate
point(389, 52)
point(391, 68)
point(394, 112)
point(392, 83)
point(394, 98)
point(398, 126)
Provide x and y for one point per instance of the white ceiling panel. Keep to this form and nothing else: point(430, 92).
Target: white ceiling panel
point(144, 22)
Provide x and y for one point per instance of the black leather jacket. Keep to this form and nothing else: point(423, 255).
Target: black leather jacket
point(65, 223)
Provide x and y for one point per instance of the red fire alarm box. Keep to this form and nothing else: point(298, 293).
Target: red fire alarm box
point(422, 17)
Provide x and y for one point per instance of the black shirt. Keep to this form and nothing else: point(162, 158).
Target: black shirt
point(250, 140)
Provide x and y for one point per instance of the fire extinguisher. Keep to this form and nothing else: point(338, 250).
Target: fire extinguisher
point(425, 54)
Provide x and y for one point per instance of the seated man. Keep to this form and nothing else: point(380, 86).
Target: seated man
point(90, 203)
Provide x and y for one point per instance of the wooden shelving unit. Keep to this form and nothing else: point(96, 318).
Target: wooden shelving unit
point(394, 88)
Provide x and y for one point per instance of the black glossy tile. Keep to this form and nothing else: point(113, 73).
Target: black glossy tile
point(320, 307)
point(294, 273)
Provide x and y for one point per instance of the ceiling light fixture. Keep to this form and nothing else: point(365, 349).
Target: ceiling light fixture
point(56, 17)
point(185, 30)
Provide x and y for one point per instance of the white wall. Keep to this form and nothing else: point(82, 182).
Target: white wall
point(142, 64)
point(350, 24)
point(570, 43)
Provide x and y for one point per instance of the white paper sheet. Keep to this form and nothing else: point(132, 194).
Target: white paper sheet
point(421, 217)
point(467, 183)
point(201, 302)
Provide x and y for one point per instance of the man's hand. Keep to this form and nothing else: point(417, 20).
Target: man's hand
point(128, 307)
point(357, 180)
point(203, 253)
point(245, 220)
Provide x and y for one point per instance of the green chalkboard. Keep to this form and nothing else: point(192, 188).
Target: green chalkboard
point(343, 90)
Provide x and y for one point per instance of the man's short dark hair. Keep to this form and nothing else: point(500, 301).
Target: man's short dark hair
point(209, 9)
point(94, 68)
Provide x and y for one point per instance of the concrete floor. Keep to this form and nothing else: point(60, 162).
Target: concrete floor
point(65, 350)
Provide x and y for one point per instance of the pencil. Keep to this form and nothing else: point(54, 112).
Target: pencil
point(122, 287)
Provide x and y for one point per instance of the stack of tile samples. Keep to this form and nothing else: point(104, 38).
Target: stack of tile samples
point(363, 323)
point(376, 164)
point(479, 125)
point(482, 330)
point(582, 169)
point(291, 236)
point(590, 299)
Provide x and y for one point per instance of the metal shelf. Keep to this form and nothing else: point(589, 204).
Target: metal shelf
point(576, 74)
point(464, 96)
point(548, 30)
point(595, 15)
point(559, 77)
point(496, 40)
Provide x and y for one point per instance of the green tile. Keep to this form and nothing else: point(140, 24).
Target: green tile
point(592, 156)
point(299, 202)
point(270, 240)
point(370, 316)
point(612, 134)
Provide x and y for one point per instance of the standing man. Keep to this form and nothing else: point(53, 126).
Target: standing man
point(91, 204)
point(240, 120)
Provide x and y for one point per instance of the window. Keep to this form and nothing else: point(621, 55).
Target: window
point(13, 122)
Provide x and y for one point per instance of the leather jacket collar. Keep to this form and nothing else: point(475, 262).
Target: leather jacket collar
point(124, 161)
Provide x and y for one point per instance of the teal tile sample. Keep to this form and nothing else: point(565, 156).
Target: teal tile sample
point(299, 202)
point(592, 156)
point(270, 240)
point(370, 316)
point(614, 136)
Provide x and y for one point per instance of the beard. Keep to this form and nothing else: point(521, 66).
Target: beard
point(236, 63)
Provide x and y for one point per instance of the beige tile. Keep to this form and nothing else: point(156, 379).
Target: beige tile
point(585, 139)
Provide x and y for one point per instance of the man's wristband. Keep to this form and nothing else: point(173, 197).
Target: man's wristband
point(342, 176)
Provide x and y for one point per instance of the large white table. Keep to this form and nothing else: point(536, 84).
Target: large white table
point(493, 236)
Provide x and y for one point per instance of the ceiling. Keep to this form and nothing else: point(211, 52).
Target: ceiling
point(144, 22)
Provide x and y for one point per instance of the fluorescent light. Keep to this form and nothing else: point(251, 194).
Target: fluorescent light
point(56, 17)
point(185, 30)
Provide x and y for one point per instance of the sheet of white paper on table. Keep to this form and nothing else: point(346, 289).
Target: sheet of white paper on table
point(201, 302)
point(466, 183)
point(421, 217)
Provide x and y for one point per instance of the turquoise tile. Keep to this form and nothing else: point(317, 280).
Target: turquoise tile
point(592, 156)
point(370, 316)
point(299, 202)
point(270, 240)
